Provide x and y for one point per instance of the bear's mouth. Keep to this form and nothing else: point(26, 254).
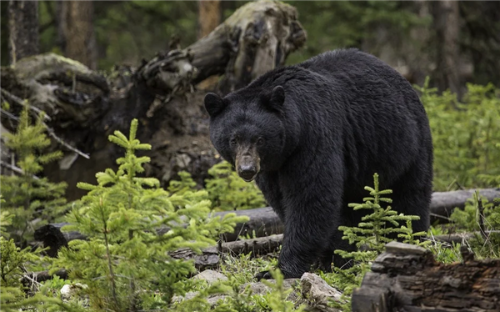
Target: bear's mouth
point(248, 176)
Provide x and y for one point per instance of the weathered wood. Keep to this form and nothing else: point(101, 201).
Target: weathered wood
point(23, 29)
point(443, 203)
point(406, 278)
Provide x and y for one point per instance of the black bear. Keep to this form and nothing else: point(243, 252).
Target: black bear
point(313, 134)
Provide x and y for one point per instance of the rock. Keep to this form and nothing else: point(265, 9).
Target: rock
point(259, 288)
point(212, 299)
point(317, 293)
point(69, 290)
point(210, 276)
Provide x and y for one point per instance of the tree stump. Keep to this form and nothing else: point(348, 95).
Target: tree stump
point(407, 278)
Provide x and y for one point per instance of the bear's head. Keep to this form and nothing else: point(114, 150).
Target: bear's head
point(247, 129)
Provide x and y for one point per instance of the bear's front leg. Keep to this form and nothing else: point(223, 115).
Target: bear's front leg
point(308, 230)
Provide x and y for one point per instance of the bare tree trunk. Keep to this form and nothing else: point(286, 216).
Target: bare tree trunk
point(481, 21)
point(447, 24)
point(23, 29)
point(418, 57)
point(209, 16)
point(78, 29)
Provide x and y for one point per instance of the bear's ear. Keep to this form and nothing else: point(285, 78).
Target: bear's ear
point(214, 104)
point(276, 99)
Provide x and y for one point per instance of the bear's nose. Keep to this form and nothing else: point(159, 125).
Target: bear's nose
point(247, 172)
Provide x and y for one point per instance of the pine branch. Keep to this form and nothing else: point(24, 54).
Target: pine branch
point(58, 139)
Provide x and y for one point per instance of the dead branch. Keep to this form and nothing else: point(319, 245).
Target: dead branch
point(15, 169)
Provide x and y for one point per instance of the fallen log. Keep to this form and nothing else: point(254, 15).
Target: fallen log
point(211, 256)
point(264, 221)
point(29, 279)
point(407, 278)
point(443, 203)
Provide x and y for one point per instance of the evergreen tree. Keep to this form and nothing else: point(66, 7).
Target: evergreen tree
point(125, 262)
point(27, 196)
point(374, 229)
point(228, 191)
point(370, 237)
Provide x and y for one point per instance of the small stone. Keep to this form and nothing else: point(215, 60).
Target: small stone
point(69, 290)
point(259, 288)
point(210, 276)
point(318, 293)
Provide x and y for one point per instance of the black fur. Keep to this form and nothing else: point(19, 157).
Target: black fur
point(345, 116)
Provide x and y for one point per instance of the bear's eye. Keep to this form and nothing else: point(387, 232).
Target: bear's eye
point(260, 141)
point(233, 141)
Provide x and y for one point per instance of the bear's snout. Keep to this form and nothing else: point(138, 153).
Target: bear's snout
point(247, 172)
point(247, 162)
point(247, 167)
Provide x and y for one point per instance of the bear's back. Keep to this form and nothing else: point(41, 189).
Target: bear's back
point(353, 65)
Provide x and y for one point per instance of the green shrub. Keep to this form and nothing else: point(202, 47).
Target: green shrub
point(465, 135)
point(14, 295)
point(483, 219)
point(228, 191)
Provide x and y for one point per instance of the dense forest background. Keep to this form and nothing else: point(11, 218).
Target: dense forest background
point(453, 42)
point(94, 157)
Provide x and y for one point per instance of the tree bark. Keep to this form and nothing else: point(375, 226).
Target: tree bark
point(447, 25)
point(23, 29)
point(209, 16)
point(481, 39)
point(406, 278)
point(78, 30)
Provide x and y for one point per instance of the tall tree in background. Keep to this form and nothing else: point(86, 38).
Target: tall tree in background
point(448, 63)
point(23, 29)
point(209, 16)
point(481, 39)
point(77, 29)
